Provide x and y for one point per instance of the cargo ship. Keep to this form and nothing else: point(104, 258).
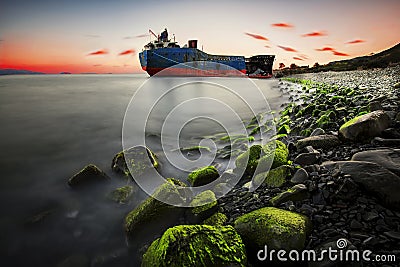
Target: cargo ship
point(165, 57)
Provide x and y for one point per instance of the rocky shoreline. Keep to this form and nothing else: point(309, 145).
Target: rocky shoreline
point(335, 175)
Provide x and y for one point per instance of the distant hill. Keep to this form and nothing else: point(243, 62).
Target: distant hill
point(14, 72)
point(379, 60)
point(382, 59)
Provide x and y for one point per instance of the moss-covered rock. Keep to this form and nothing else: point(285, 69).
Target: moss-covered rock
point(196, 245)
point(203, 176)
point(276, 228)
point(153, 210)
point(89, 174)
point(277, 152)
point(365, 126)
point(217, 219)
point(248, 160)
point(204, 204)
point(121, 195)
point(273, 178)
point(139, 160)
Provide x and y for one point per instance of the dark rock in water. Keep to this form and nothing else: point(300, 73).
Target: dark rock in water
point(307, 158)
point(296, 193)
point(386, 142)
point(365, 126)
point(121, 195)
point(140, 160)
point(276, 228)
point(388, 158)
point(300, 176)
point(152, 210)
point(318, 131)
point(203, 176)
point(89, 174)
point(375, 179)
point(318, 141)
point(197, 245)
point(375, 105)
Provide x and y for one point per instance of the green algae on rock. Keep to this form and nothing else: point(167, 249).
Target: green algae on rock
point(121, 195)
point(89, 174)
point(196, 245)
point(295, 193)
point(324, 141)
point(217, 219)
point(137, 159)
point(203, 176)
point(276, 228)
point(152, 209)
point(273, 178)
point(204, 203)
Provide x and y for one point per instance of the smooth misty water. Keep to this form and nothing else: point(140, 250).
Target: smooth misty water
point(52, 126)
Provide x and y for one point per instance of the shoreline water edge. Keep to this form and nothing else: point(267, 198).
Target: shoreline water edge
point(335, 175)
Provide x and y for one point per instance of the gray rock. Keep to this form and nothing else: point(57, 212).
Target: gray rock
point(319, 141)
point(89, 174)
point(388, 158)
point(374, 178)
point(305, 159)
point(354, 224)
point(318, 131)
point(300, 176)
point(375, 105)
point(386, 142)
point(365, 126)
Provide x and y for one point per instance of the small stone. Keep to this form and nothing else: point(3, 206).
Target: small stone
point(89, 174)
point(307, 158)
point(300, 176)
point(296, 193)
point(355, 224)
point(318, 141)
point(318, 131)
point(369, 216)
point(375, 105)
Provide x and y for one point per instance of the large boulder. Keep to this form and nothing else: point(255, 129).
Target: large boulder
point(276, 228)
point(319, 141)
point(88, 175)
point(196, 245)
point(374, 178)
point(203, 176)
point(139, 159)
point(365, 126)
point(152, 211)
point(388, 158)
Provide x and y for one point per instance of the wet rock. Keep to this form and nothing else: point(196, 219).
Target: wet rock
point(152, 210)
point(300, 176)
point(280, 229)
point(307, 158)
point(386, 142)
point(122, 194)
point(191, 245)
point(204, 205)
point(88, 175)
point(388, 158)
point(139, 160)
point(203, 176)
point(375, 179)
point(296, 193)
point(365, 126)
point(318, 131)
point(273, 178)
point(319, 141)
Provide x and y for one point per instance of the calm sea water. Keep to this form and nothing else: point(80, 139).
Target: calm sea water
point(52, 126)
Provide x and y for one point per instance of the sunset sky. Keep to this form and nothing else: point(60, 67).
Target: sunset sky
point(105, 36)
